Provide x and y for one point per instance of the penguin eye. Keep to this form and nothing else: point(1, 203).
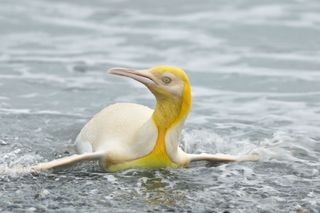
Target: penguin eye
point(166, 80)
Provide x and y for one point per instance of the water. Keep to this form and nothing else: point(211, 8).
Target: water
point(255, 73)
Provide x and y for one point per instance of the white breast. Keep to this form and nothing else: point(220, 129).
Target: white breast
point(126, 130)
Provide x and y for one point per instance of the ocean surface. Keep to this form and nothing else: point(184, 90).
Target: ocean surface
point(255, 74)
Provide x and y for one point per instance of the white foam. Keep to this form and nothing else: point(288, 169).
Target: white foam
point(281, 146)
point(16, 170)
point(15, 164)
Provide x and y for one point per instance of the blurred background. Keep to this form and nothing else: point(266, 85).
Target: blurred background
point(255, 73)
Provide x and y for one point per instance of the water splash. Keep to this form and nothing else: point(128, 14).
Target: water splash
point(14, 164)
point(281, 146)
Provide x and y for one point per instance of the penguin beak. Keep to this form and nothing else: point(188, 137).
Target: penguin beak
point(139, 75)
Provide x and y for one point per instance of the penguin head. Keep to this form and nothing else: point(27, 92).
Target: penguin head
point(165, 82)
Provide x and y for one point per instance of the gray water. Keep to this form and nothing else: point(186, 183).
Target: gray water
point(255, 73)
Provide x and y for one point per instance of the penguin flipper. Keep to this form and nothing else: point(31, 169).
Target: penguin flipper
point(222, 157)
point(67, 161)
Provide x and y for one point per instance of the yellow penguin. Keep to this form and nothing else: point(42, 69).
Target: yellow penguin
point(128, 135)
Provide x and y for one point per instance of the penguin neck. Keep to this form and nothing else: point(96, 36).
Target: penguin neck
point(167, 113)
point(171, 110)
